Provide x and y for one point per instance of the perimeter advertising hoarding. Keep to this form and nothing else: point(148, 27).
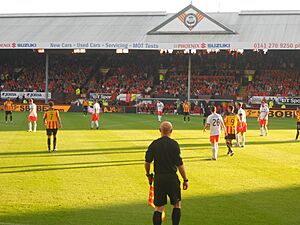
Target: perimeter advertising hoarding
point(27, 95)
point(280, 100)
point(40, 108)
point(63, 108)
point(102, 96)
point(149, 45)
point(284, 113)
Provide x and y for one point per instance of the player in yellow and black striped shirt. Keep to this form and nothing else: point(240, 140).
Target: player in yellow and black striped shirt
point(298, 122)
point(8, 108)
point(230, 121)
point(85, 105)
point(186, 110)
point(52, 122)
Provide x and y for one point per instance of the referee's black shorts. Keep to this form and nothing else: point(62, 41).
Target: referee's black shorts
point(8, 113)
point(298, 125)
point(186, 113)
point(206, 114)
point(230, 137)
point(166, 185)
point(51, 131)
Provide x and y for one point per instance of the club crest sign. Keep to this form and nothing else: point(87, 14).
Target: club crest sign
point(190, 20)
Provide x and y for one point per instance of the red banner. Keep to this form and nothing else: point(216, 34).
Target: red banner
point(128, 97)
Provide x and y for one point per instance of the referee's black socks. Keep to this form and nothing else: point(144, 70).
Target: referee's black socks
point(157, 218)
point(297, 135)
point(176, 214)
point(54, 142)
point(49, 143)
point(229, 146)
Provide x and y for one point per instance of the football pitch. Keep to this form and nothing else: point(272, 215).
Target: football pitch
point(97, 177)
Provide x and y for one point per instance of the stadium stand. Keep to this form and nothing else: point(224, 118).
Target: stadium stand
point(216, 74)
point(275, 83)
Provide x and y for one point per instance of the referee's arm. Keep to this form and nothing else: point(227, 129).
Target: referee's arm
point(147, 168)
point(148, 159)
point(181, 168)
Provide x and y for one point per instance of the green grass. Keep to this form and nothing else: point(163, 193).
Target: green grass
point(97, 176)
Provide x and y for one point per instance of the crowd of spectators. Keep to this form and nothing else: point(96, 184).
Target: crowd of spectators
point(124, 74)
point(122, 80)
point(275, 83)
point(66, 74)
point(27, 79)
point(176, 86)
point(215, 74)
point(27, 74)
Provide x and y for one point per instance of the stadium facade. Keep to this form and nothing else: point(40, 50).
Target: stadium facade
point(188, 29)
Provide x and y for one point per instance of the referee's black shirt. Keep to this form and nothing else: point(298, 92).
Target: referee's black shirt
point(166, 155)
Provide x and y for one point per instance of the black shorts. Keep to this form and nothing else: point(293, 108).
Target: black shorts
point(230, 136)
point(8, 113)
point(186, 113)
point(85, 108)
point(166, 185)
point(298, 125)
point(51, 131)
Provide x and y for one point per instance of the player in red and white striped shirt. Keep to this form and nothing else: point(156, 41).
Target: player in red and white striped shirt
point(215, 122)
point(32, 117)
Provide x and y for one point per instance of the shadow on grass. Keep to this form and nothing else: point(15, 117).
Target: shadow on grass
point(96, 151)
point(265, 207)
point(269, 142)
point(81, 165)
point(125, 150)
point(150, 140)
point(100, 150)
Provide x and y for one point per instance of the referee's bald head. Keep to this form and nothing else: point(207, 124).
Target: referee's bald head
point(166, 128)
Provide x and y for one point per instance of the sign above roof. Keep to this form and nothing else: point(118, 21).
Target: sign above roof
point(191, 20)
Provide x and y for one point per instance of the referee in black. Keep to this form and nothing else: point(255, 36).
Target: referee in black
point(165, 153)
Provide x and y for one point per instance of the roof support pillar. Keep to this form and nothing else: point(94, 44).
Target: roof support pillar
point(189, 77)
point(47, 77)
